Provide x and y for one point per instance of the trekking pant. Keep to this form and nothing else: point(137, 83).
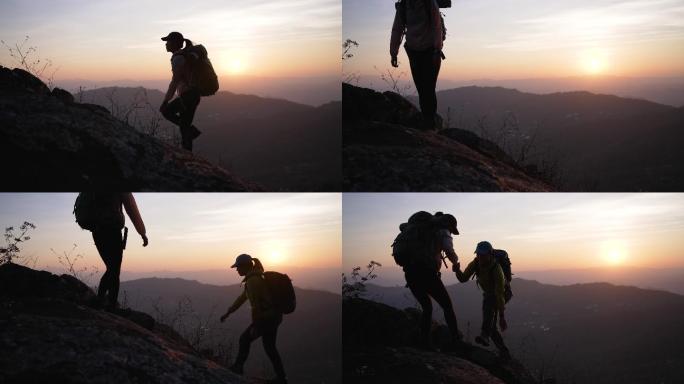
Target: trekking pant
point(181, 111)
point(425, 67)
point(267, 329)
point(425, 284)
point(489, 318)
point(110, 245)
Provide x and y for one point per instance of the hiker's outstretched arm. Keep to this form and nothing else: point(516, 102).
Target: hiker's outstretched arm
point(437, 22)
point(398, 29)
point(134, 214)
point(467, 274)
point(238, 303)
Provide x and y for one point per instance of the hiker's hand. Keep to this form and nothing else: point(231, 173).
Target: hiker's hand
point(163, 106)
point(395, 64)
point(502, 323)
point(144, 237)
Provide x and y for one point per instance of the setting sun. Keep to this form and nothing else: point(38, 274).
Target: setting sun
point(276, 257)
point(594, 63)
point(613, 253)
point(236, 66)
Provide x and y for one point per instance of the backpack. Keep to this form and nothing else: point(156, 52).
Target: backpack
point(504, 262)
point(416, 242)
point(203, 74)
point(401, 7)
point(281, 290)
point(95, 210)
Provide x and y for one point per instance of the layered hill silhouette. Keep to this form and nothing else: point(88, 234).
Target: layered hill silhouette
point(383, 150)
point(309, 339)
point(380, 346)
point(55, 144)
point(596, 332)
point(49, 333)
point(279, 144)
point(601, 142)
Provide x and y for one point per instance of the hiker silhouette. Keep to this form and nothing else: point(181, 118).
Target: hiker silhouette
point(266, 317)
point(418, 249)
point(181, 110)
point(421, 22)
point(102, 214)
point(493, 282)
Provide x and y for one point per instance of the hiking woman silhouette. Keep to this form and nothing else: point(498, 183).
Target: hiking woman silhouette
point(181, 110)
point(265, 317)
point(102, 214)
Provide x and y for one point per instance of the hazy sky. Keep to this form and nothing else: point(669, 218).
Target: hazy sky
point(540, 231)
point(110, 40)
point(503, 39)
point(192, 231)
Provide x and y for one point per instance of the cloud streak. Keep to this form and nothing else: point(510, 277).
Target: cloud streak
point(588, 26)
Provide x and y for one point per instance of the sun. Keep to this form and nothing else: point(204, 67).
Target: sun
point(236, 66)
point(234, 63)
point(276, 257)
point(594, 63)
point(615, 257)
point(613, 253)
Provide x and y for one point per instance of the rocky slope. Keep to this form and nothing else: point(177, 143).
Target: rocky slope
point(380, 347)
point(50, 333)
point(52, 143)
point(383, 150)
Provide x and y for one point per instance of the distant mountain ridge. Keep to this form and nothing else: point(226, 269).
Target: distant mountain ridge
point(601, 142)
point(280, 144)
point(662, 90)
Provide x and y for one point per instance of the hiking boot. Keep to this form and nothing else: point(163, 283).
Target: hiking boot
point(482, 340)
point(237, 369)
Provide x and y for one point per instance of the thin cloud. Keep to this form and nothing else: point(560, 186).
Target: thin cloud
point(589, 26)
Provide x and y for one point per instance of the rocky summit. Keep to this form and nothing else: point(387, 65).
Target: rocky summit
point(385, 150)
point(381, 345)
point(49, 333)
point(50, 142)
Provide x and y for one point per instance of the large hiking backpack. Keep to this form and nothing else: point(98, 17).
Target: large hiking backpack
point(281, 290)
point(416, 242)
point(96, 210)
point(504, 262)
point(203, 74)
point(401, 7)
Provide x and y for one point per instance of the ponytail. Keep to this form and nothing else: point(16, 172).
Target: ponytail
point(257, 267)
point(188, 43)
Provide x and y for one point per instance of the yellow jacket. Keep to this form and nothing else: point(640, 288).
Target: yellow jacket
point(259, 298)
point(490, 278)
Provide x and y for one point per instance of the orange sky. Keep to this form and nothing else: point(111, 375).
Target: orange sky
point(541, 231)
point(111, 40)
point(496, 39)
point(193, 231)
